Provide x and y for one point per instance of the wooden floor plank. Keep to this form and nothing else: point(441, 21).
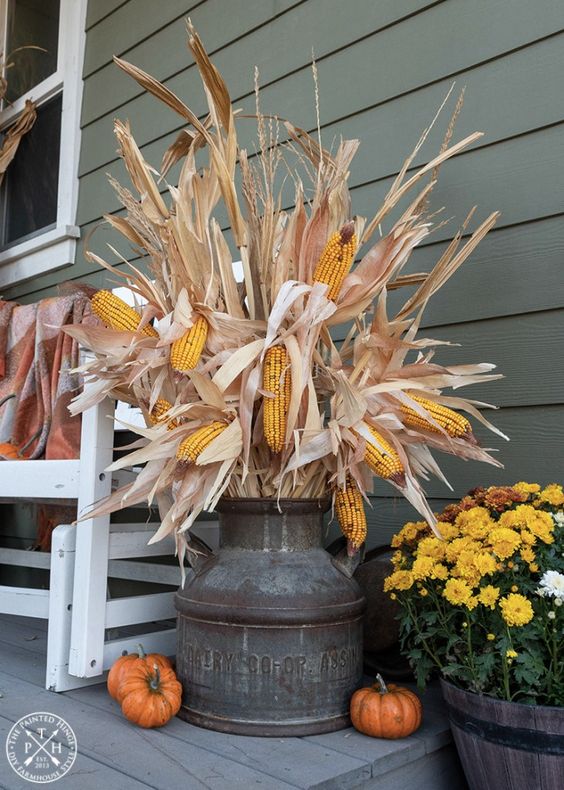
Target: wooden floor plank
point(294, 760)
point(87, 773)
point(151, 757)
point(31, 636)
point(27, 636)
point(21, 662)
point(438, 771)
point(35, 623)
point(118, 755)
point(387, 755)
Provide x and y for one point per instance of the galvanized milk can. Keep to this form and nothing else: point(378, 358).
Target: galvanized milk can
point(270, 627)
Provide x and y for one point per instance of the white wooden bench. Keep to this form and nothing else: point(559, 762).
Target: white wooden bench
point(82, 559)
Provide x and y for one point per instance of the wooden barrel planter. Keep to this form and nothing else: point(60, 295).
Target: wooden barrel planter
point(506, 745)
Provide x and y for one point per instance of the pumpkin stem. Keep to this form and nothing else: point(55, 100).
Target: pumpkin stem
point(155, 681)
point(380, 685)
point(141, 651)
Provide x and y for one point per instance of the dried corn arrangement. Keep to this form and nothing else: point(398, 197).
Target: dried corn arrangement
point(264, 403)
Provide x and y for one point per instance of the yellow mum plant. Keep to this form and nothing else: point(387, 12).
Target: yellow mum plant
point(261, 348)
point(484, 605)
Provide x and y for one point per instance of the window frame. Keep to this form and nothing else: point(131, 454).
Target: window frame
point(54, 247)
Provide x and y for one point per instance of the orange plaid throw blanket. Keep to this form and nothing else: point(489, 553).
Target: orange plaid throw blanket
point(36, 387)
point(36, 384)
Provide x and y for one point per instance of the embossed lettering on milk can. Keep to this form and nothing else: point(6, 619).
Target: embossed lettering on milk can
point(270, 627)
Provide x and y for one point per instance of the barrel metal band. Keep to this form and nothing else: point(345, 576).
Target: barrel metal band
point(520, 738)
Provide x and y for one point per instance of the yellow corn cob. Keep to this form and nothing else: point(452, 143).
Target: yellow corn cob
point(453, 423)
point(336, 260)
point(114, 312)
point(185, 353)
point(385, 463)
point(350, 512)
point(159, 410)
point(193, 445)
point(276, 365)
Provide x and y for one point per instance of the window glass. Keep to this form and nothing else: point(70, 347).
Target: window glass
point(31, 22)
point(30, 185)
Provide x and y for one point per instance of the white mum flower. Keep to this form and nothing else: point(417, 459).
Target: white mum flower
point(559, 518)
point(552, 584)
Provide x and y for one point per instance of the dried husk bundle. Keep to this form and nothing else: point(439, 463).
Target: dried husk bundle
point(269, 405)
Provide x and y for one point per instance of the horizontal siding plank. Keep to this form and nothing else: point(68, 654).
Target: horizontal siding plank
point(478, 31)
point(534, 452)
point(524, 348)
point(268, 44)
point(521, 177)
point(129, 24)
point(392, 129)
point(500, 265)
point(493, 103)
point(513, 270)
point(99, 9)
point(385, 516)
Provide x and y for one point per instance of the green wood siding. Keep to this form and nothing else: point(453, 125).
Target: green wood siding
point(383, 69)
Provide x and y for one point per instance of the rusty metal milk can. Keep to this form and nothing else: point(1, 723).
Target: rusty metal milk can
point(270, 627)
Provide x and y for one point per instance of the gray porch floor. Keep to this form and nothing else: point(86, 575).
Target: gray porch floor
point(115, 755)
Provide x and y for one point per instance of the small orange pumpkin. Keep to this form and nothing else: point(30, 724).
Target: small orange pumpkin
point(385, 711)
point(124, 664)
point(150, 697)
